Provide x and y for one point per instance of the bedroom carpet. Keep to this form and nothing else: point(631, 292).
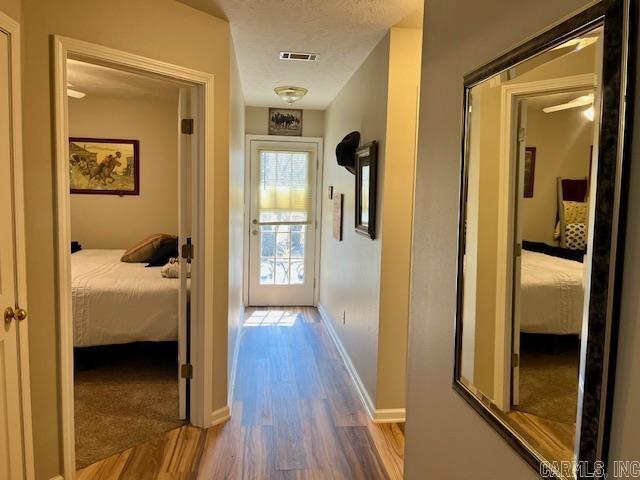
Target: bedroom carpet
point(549, 383)
point(128, 395)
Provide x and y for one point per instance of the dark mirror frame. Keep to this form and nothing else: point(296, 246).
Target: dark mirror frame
point(599, 347)
point(367, 155)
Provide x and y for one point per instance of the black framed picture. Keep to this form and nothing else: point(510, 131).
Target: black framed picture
point(285, 121)
point(529, 170)
point(366, 189)
point(104, 166)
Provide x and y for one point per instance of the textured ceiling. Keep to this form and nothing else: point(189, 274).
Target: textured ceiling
point(104, 81)
point(342, 32)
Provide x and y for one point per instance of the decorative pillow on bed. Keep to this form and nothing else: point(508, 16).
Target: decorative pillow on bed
point(576, 236)
point(167, 250)
point(144, 250)
point(575, 212)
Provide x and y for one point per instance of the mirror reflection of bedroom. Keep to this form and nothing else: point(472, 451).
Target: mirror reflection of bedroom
point(532, 157)
point(126, 285)
point(552, 218)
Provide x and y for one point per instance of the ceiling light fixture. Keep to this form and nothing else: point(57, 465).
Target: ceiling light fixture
point(290, 94)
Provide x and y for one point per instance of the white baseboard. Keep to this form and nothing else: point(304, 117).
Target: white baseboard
point(389, 415)
point(236, 348)
point(219, 416)
point(57, 477)
point(377, 415)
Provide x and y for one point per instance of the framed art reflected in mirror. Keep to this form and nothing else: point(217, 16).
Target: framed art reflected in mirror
point(538, 275)
point(366, 188)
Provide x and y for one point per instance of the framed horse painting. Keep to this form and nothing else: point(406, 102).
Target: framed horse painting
point(285, 121)
point(104, 166)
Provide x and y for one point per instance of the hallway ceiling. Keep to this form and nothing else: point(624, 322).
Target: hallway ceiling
point(342, 32)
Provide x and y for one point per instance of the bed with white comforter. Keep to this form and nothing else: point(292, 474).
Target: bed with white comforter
point(552, 294)
point(116, 302)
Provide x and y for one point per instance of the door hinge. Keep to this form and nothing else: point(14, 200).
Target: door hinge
point(515, 360)
point(186, 126)
point(187, 250)
point(522, 134)
point(517, 250)
point(186, 371)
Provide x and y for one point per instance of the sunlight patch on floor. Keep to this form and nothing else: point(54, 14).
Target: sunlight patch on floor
point(271, 318)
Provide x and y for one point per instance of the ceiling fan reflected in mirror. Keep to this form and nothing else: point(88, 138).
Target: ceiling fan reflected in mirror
point(578, 102)
point(74, 93)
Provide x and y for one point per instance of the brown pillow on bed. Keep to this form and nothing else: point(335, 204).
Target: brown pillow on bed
point(144, 250)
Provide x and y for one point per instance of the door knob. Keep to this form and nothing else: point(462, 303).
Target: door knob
point(17, 314)
point(9, 314)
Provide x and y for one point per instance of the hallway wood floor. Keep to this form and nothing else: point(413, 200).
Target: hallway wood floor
point(295, 415)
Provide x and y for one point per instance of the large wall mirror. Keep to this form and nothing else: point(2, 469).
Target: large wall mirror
point(543, 184)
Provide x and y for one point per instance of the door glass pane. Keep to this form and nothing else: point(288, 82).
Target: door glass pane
point(296, 275)
point(267, 268)
point(282, 254)
point(297, 244)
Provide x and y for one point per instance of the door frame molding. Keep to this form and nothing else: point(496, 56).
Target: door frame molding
point(319, 141)
point(202, 413)
point(12, 29)
point(506, 205)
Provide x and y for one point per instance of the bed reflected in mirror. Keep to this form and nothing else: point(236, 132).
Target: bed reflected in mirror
point(532, 131)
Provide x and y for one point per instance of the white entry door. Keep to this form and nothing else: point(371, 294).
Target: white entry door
point(14, 425)
point(282, 238)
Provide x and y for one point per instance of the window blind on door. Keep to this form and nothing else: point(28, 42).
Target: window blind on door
point(285, 193)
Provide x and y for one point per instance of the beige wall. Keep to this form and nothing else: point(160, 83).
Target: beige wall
point(170, 32)
point(367, 280)
point(257, 122)
point(13, 8)
point(350, 270)
point(110, 221)
point(236, 205)
point(397, 214)
point(445, 437)
point(563, 143)
point(489, 171)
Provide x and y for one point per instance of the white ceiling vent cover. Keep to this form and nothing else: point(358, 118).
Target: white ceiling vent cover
point(302, 57)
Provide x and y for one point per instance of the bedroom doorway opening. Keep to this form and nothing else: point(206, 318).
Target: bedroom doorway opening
point(282, 220)
point(555, 160)
point(190, 333)
point(128, 160)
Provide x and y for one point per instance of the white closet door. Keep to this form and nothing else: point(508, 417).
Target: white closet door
point(11, 435)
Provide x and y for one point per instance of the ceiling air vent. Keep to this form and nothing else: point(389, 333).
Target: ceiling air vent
point(303, 57)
